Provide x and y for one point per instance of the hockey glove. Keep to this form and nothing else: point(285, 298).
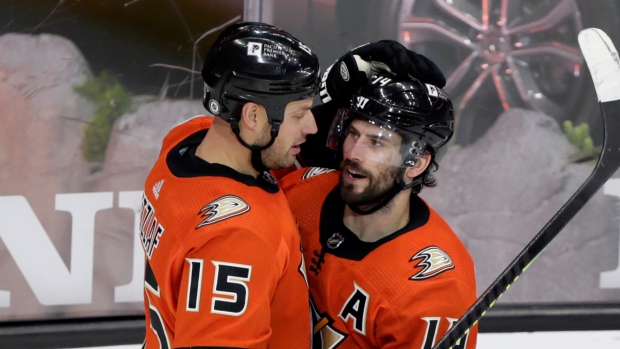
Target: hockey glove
point(392, 56)
point(357, 66)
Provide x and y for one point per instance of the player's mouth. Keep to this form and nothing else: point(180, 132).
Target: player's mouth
point(297, 146)
point(296, 149)
point(353, 176)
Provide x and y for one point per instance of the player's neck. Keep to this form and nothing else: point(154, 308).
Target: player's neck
point(385, 221)
point(220, 146)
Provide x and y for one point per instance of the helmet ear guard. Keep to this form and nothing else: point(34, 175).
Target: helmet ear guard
point(415, 149)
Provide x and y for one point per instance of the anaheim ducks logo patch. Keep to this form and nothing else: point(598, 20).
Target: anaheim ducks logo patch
point(315, 171)
point(223, 208)
point(434, 262)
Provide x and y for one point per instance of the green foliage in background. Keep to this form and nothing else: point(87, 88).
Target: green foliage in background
point(112, 100)
point(579, 136)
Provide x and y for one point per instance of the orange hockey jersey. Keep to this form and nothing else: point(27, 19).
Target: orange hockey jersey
point(403, 291)
point(223, 256)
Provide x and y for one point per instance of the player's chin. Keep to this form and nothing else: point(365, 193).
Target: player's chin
point(351, 196)
point(352, 189)
point(285, 161)
point(291, 155)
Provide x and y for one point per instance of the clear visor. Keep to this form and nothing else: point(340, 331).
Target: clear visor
point(367, 139)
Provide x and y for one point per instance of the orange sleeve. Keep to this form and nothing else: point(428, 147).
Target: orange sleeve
point(226, 291)
point(424, 318)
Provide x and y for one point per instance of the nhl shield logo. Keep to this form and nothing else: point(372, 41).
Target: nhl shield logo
point(335, 240)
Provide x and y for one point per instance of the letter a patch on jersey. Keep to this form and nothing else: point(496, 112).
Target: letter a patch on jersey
point(223, 208)
point(356, 309)
point(434, 262)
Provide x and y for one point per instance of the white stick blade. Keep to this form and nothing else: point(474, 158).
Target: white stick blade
point(603, 61)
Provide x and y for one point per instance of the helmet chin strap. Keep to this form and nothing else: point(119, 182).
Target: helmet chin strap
point(257, 161)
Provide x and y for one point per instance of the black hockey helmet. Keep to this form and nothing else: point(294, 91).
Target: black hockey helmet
point(260, 63)
point(421, 113)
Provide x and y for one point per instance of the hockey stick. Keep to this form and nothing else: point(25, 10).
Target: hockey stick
point(604, 64)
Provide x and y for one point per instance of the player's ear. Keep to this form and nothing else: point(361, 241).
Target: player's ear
point(250, 116)
point(420, 166)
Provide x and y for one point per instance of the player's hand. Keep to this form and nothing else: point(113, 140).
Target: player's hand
point(390, 55)
point(357, 66)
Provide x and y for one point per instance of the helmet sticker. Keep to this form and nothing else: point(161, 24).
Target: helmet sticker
point(361, 102)
point(276, 51)
point(344, 71)
point(432, 90)
point(443, 95)
point(255, 49)
point(416, 149)
point(381, 80)
point(214, 107)
point(259, 49)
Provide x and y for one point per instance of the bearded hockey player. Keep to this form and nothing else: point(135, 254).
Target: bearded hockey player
point(384, 269)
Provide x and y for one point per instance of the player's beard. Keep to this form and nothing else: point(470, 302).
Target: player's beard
point(378, 184)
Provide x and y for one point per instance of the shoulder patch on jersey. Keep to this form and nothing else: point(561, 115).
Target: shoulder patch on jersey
point(315, 171)
point(434, 262)
point(223, 208)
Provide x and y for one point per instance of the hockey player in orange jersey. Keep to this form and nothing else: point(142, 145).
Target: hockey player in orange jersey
point(224, 267)
point(384, 269)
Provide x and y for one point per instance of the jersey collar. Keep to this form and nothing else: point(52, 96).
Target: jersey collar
point(338, 240)
point(183, 163)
